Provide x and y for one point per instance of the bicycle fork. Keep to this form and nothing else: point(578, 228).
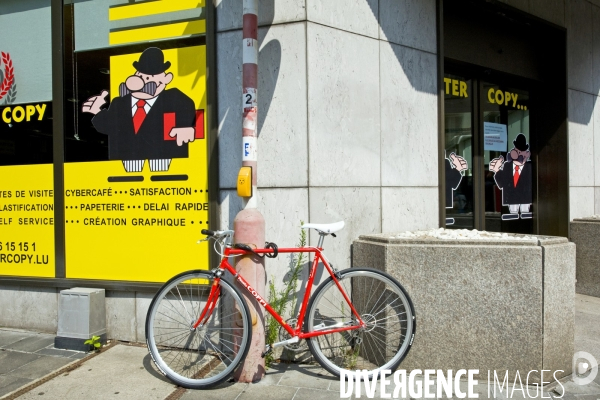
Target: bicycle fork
point(215, 292)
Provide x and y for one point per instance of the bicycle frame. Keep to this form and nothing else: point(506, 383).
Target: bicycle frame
point(226, 266)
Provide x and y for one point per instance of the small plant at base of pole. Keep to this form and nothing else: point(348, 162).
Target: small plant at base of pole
point(94, 343)
point(287, 296)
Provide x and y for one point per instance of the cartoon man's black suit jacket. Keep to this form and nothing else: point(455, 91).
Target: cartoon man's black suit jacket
point(149, 143)
point(522, 193)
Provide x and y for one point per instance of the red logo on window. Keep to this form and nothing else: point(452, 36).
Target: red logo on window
point(8, 88)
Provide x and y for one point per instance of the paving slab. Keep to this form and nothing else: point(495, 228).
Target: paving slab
point(587, 304)
point(274, 374)
point(123, 370)
point(9, 337)
point(231, 390)
point(314, 394)
point(256, 392)
point(32, 343)
point(221, 392)
point(589, 389)
point(51, 351)
point(41, 367)
point(587, 325)
point(10, 383)
point(79, 355)
point(11, 360)
point(585, 397)
point(307, 376)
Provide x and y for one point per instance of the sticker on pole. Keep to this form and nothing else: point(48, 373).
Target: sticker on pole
point(249, 98)
point(250, 51)
point(249, 148)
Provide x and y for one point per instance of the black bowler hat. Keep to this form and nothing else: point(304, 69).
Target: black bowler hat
point(521, 143)
point(152, 62)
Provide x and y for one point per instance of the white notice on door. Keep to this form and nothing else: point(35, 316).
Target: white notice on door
point(495, 136)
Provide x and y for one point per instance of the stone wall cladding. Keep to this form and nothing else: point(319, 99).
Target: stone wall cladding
point(320, 115)
point(33, 308)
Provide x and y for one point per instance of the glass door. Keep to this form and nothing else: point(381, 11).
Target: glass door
point(508, 169)
point(489, 172)
point(459, 151)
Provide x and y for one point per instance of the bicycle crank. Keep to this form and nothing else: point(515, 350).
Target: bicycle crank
point(269, 348)
point(285, 338)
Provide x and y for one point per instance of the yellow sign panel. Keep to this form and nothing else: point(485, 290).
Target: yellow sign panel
point(134, 10)
point(27, 221)
point(138, 216)
point(158, 32)
point(137, 22)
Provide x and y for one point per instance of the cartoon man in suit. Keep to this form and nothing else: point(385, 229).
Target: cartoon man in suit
point(455, 165)
point(513, 177)
point(147, 121)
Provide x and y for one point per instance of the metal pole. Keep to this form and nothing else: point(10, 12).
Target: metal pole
point(249, 224)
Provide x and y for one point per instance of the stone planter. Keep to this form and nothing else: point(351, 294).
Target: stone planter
point(585, 233)
point(501, 305)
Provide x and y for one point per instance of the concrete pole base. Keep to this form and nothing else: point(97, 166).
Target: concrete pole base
point(249, 227)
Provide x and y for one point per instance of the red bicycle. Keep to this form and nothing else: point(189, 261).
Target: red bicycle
point(199, 328)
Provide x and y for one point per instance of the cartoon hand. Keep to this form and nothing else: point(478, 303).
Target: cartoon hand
point(93, 104)
point(459, 163)
point(183, 135)
point(496, 163)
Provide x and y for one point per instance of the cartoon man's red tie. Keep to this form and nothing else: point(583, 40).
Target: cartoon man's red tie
point(516, 176)
point(139, 115)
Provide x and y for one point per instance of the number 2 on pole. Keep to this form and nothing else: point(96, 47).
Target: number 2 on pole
point(249, 98)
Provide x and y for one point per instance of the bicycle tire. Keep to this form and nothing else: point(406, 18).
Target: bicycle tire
point(361, 349)
point(202, 357)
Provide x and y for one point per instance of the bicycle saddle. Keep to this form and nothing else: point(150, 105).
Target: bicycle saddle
point(325, 228)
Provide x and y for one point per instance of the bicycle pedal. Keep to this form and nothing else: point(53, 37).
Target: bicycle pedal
point(269, 350)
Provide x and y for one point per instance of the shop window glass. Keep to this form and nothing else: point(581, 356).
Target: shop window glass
point(97, 30)
point(459, 154)
point(27, 191)
point(25, 82)
point(136, 138)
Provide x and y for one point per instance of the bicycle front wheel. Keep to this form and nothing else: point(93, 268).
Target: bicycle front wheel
point(382, 304)
point(199, 357)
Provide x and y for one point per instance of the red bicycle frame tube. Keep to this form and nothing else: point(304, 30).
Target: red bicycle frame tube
point(214, 293)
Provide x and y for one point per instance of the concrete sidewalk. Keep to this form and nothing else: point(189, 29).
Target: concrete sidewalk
point(126, 371)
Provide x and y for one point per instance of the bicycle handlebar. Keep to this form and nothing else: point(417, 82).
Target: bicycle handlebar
point(216, 234)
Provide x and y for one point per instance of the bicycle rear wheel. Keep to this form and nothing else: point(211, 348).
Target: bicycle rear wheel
point(382, 304)
point(205, 356)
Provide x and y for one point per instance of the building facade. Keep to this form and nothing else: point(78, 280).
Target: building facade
point(392, 115)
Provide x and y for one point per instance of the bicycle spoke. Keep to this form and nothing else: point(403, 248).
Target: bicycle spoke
point(381, 304)
point(206, 355)
point(168, 303)
point(173, 319)
point(182, 303)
